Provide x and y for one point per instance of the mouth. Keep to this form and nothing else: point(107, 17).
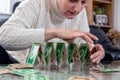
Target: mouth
point(70, 14)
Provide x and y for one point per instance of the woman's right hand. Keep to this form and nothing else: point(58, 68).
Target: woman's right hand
point(68, 35)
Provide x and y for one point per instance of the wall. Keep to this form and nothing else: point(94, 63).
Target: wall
point(116, 19)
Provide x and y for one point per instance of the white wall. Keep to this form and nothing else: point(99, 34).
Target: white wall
point(116, 19)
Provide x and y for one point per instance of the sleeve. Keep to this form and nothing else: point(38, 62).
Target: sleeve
point(19, 31)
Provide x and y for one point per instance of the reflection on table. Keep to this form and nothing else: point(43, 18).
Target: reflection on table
point(74, 69)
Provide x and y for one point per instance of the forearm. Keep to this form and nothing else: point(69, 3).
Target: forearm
point(50, 33)
point(13, 38)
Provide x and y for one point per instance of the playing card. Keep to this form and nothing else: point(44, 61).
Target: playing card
point(59, 50)
point(33, 54)
point(83, 52)
point(4, 69)
point(41, 60)
point(64, 60)
point(105, 70)
point(71, 51)
point(36, 77)
point(49, 55)
point(20, 66)
point(24, 72)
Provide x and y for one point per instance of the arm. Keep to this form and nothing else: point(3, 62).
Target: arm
point(19, 31)
point(68, 35)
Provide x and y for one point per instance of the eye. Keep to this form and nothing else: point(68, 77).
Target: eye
point(73, 0)
point(82, 1)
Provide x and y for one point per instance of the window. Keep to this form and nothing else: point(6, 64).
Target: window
point(4, 6)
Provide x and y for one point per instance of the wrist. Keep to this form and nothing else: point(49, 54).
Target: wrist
point(50, 33)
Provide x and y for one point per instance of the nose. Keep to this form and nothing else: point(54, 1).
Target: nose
point(78, 7)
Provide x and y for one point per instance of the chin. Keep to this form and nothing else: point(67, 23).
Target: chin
point(69, 17)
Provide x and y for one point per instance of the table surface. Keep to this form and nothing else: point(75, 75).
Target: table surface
point(74, 70)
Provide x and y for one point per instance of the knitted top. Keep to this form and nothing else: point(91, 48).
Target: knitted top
point(31, 17)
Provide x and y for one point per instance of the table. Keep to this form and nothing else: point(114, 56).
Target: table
point(81, 70)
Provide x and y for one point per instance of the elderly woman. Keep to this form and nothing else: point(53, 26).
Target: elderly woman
point(42, 20)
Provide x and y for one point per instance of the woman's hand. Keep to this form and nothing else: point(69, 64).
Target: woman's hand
point(69, 35)
point(96, 53)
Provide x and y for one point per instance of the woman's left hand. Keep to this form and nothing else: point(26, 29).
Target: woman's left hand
point(96, 53)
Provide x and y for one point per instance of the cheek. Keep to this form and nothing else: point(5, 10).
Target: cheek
point(64, 8)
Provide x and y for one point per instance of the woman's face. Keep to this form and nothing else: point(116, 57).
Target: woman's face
point(70, 8)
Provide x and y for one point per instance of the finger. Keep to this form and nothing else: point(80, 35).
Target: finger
point(100, 48)
point(96, 57)
point(87, 38)
point(83, 36)
point(92, 36)
point(93, 56)
point(96, 60)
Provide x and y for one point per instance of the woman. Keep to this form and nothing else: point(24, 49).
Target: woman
point(39, 20)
